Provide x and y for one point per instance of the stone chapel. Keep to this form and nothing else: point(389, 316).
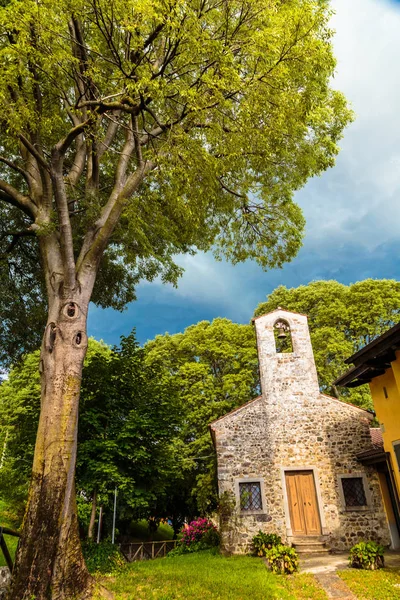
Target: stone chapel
point(288, 459)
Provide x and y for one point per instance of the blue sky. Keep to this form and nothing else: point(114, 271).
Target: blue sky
point(352, 210)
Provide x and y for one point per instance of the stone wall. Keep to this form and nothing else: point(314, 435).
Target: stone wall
point(293, 426)
point(5, 579)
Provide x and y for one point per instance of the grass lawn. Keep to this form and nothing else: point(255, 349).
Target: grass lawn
point(383, 584)
point(11, 541)
point(205, 576)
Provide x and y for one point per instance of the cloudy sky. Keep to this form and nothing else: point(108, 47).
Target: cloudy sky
point(352, 211)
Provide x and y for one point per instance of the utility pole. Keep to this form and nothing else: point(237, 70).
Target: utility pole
point(114, 516)
point(99, 524)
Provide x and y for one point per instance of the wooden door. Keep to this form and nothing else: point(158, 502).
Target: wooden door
point(303, 505)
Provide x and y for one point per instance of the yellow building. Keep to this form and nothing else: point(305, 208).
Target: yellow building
point(378, 364)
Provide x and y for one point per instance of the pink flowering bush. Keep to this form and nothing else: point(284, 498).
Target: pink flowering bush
point(200, 530)
point(200, 534)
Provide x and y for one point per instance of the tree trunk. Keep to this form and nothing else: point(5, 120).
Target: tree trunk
point(49, 563)
point(92, 516)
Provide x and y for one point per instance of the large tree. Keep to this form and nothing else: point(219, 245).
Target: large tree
point(342, 319)
point(215, 368)
point(132, 131)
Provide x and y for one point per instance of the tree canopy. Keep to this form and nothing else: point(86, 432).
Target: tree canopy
point(342, 319)
point(160, 128)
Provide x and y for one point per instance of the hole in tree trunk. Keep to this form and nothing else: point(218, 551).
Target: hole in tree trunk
point(78, 338)
point(71, 310)
point(50, 336)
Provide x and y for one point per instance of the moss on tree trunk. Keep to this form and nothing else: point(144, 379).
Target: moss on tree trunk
point(49, 562)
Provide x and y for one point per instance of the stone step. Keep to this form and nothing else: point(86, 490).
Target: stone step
point(312, 549)
point(309, 539)
point(310, 544)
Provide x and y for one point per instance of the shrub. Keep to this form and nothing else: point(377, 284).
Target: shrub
point(102, 558)
point(262, 542)
point(196, 547)
point(199, 535)
point(367, 555)
point(197, 530)
point(282, 559)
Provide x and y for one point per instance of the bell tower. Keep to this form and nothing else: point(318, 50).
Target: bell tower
point(285, 355)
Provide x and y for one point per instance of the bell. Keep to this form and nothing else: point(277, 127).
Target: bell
point(281, 335)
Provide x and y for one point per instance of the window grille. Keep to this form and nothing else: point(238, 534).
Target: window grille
point(250, 496)
point(353, 491)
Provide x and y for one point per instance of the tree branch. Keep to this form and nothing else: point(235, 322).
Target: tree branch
point(31, 148)
point(16, 236)
point(66, 240)
point(15, 167)
point(89, 258)
point(230, 191)
point(14, 197)
point(110, 133)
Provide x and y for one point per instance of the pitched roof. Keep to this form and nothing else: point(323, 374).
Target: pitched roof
point(293, 312)
point(372, 360)
point(375, 452)
point(369, 413)
point(376, 436)
point(234, 411)
point(246, 404)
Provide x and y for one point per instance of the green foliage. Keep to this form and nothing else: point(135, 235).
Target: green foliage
point(342, 319)
point(282, 559)
point(103, 558)
point(214, 367)
point(127, 418)
point(231, 105)
point(129, 413)
point(139, 531)
point(211, 538)
point(262, 542)
point(192, 548)
point(367, 555)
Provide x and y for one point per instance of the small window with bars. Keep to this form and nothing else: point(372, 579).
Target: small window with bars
point(250, 496)
point(354, 492)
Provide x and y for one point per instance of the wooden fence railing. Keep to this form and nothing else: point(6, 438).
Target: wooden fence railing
point(3, 545)
point(146, 550)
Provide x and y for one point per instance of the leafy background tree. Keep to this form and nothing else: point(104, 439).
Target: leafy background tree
point(129, 414)
point(215, 368)
point(342, 319)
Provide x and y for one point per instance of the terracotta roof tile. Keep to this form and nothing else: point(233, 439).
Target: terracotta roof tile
point(376, 437)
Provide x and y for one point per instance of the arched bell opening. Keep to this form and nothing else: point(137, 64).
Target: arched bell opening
point(283, 337)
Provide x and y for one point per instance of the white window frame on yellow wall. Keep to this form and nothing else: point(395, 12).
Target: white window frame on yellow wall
point(396, 444)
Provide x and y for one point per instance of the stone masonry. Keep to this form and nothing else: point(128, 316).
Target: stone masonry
point(292, 427)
